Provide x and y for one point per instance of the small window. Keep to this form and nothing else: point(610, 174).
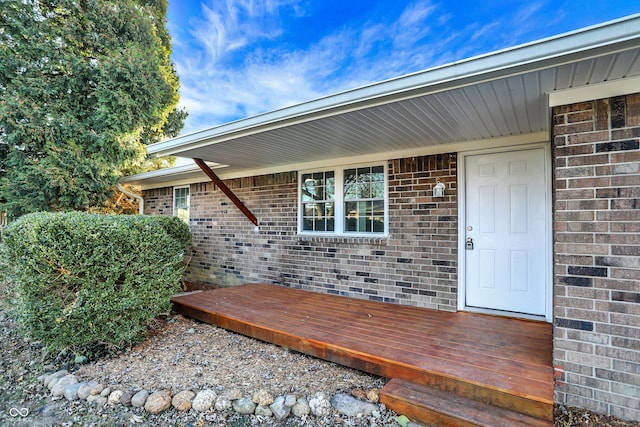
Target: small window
point(318, 201)
point(343, 201)
point(181, 203)
point(364, 200)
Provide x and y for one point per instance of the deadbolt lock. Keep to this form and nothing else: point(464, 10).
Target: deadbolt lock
point(469, 244)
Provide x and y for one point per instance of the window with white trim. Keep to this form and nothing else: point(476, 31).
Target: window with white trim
point(348, 200)
point(181, 201)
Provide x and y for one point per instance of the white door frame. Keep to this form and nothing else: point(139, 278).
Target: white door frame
point(548, 230)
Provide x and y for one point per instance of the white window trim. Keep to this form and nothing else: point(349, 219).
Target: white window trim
point(338, 171)
point(173, 203)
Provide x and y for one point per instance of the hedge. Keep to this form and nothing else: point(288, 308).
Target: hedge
point(91, 283)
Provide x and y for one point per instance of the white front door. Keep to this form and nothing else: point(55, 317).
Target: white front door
point(505, 231)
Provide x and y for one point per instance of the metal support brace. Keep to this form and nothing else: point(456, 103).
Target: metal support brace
point(226, 190)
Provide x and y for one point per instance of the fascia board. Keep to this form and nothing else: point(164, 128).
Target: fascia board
point(595, 91)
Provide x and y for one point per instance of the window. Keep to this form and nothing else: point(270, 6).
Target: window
point(318, 201)
point(344, 201)
point(181, 203)
point(364, 200)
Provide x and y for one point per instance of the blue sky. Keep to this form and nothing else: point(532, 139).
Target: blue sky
point(239, 58)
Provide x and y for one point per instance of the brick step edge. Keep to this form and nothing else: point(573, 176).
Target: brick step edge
point(425, 404)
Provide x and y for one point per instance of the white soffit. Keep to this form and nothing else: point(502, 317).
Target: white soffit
point(191, 174)
point(188, 172)
point(497, 95)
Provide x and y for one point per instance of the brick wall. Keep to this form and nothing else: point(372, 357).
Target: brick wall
point(597, 255)
point(416, 265)
point(158, 201)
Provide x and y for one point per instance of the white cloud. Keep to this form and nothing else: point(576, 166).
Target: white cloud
point(238, 68)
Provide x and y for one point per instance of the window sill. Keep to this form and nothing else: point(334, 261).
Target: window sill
point(337, 238)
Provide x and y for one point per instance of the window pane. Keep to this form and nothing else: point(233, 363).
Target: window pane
point(318, 217)
point(364, 183)
point(183, 214)
point(330, 183)
point(308, 209)
point(351, 216)
point(377, 190)
point(317, 186)
point(378, 216)
point(330, 224)
point(329, 210)
point(350, 184)
point(307, 224)
point(329, 216)
point(181, 203)
point(307, 188)
point(364, 216)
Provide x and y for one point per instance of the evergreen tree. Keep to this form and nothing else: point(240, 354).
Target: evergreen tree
point(84, 84)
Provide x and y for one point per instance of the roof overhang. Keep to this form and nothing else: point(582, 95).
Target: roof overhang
point(492, 98)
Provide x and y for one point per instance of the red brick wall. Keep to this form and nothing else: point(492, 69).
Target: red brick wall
point(416, 265)
point(597, 255)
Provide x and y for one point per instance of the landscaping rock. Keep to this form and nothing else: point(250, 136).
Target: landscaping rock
point(115, 397)
point(97, 389)
point(359, 393)
point(101, 400)
point(373, 395)
point(204, 400)
point(58, 388)
point(105, 392)
point(351, 406)
point(158, 402)
point(320, 405)
point(222, 403)
point(85, 389)
point(42, 377)
point(244, 406)
point(280, 409)
point(263, 398)
point(71, 391)
point(139, 399)
point(234, 394)
point(126, 398)
point(301, 408)
point(264, 411)
point(182, 401)
point(290, 400)
point(54, 377)
point(93, 397)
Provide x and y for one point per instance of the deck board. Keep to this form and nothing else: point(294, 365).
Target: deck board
point(499, 353)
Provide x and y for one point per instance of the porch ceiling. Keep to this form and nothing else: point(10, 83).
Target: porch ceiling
point(502, 94)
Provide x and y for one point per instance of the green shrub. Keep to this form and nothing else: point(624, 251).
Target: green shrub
point(91, 283)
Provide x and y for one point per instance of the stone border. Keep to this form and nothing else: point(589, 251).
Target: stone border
point(262, 403)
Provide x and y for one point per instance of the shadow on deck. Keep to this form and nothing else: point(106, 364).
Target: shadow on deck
point(445, 368)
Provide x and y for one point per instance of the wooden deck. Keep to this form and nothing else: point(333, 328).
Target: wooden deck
point(496, 361)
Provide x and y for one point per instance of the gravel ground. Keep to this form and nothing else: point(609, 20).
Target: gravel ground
point(179, 354)
point(184, 354)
